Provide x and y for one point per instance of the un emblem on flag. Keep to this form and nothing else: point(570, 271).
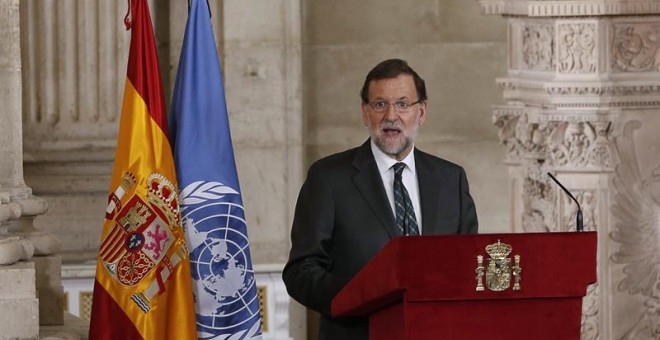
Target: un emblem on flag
point(223, 278)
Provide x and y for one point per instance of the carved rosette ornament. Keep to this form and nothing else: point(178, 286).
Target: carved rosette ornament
point(635, 47)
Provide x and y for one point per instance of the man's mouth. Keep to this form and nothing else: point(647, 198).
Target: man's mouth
point(389, 131)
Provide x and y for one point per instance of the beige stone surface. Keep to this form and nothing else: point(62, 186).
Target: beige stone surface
point(17, 281)
point(11, 166)
point(13, 249)
point(19, 319)
point(19, 306)
point(452, 78)
point(255, 20)
point(398, 22)
point(76, 220)
point(262, 172)
point(73, 329)
point(49, 289)
point(261, 67)
point(255, 92)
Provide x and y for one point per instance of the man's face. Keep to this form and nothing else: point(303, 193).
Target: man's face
point(394, 130)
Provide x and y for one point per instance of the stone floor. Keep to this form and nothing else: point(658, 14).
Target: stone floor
point(74, 328)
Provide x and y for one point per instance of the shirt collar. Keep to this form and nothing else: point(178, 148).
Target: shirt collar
point(385, 162)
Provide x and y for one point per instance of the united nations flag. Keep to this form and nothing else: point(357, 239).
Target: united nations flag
point(212, 211)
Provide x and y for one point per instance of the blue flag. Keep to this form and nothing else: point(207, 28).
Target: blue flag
point(224, 285)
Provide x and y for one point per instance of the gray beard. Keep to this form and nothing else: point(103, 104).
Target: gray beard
point(395, 152)
point(392, 151)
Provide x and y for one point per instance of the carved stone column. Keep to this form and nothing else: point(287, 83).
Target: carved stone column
point(582, 97)
point(74, 65)
point(31, 293)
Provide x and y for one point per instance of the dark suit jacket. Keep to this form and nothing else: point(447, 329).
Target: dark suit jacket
point(343, 218)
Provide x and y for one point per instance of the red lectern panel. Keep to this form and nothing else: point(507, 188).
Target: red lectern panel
point(425, 287)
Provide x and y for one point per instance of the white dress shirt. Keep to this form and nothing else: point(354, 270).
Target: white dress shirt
point(409, 177)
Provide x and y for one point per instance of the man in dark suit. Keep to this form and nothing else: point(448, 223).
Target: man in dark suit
point(354, 202)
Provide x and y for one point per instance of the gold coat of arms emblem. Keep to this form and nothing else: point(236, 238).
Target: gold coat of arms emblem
point(499, 269)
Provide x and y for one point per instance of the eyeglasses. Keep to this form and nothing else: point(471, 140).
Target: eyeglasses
point(399, 106)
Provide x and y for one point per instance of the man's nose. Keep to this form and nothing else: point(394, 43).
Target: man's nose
point(390, 113)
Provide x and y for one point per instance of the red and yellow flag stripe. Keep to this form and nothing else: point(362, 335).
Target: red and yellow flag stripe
point(143, 286)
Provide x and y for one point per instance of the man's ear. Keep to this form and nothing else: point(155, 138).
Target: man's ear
point(365, 114)
point(423, 106)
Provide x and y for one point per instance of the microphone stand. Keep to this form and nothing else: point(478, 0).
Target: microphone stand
point(578, 223)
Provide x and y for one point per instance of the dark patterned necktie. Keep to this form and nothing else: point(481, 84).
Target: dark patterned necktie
point(405, 214)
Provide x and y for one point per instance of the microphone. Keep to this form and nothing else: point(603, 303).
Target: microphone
point(578, 223)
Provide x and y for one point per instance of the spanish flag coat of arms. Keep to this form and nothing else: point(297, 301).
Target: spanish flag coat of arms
point(143, 286)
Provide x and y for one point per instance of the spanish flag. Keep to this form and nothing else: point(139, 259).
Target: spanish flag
point(143, 281)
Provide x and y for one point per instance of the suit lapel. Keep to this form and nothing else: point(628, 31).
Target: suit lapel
point(370, 185)
point(429, 192)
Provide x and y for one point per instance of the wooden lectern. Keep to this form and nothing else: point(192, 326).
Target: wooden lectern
point(488, 286)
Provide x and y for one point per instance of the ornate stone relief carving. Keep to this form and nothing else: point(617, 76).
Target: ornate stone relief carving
point(636, 215)
point(506, 121)
point(577, 48)
point(538, 47)
point(540, 208)
point(590, 311)
point(538, 142)
point(580, 144)
point(635, 47)
point(607, 59)
point(588, 202)
point(570, 142)
point(538, 200)
point(518, 135)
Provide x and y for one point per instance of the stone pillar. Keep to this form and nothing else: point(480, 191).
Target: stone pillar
point(74, 67)
point(29, 294)
point(582, 101)
point(262, 64)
